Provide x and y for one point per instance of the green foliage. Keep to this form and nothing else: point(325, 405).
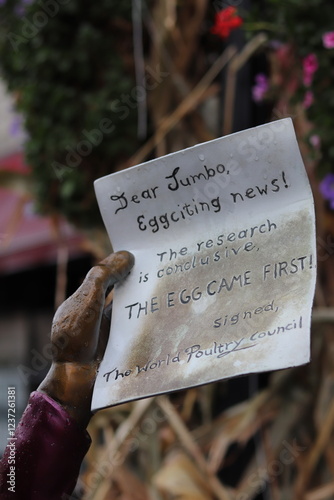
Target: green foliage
point(64, 60)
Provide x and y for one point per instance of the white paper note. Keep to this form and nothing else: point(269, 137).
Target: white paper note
point(223, 235)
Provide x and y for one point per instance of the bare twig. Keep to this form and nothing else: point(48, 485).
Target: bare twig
point(192, 448)
point(110, 454)
point(189, 103)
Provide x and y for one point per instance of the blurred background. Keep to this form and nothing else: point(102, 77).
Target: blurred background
point(89, 88)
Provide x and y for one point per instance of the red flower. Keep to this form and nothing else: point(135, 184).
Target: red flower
point(225, 21)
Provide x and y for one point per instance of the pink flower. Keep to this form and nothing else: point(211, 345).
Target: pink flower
point(308, 99)
point(310, 63)
point(328, 40)
point(315, 141)
point(310, 66)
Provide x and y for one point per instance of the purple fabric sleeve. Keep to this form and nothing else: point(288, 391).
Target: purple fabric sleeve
point(48, 449)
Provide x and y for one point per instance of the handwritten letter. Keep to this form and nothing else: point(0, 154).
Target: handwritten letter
point(223, 236)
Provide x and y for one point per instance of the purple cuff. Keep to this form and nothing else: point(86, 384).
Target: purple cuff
point(43, 460)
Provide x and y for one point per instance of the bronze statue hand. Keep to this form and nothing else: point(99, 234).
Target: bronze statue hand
point(79, 336)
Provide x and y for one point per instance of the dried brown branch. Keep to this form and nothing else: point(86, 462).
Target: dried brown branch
point(191, 447)
point(110, 456)
point(188, 104)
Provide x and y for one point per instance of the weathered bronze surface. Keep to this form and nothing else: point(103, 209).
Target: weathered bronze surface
point(79, 334)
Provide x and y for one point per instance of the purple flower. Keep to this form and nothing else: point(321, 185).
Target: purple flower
point(15, 127)
point(326, 187)
point(275, 44)
point(328, 40)
point(260, 88)
point(20, 9)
